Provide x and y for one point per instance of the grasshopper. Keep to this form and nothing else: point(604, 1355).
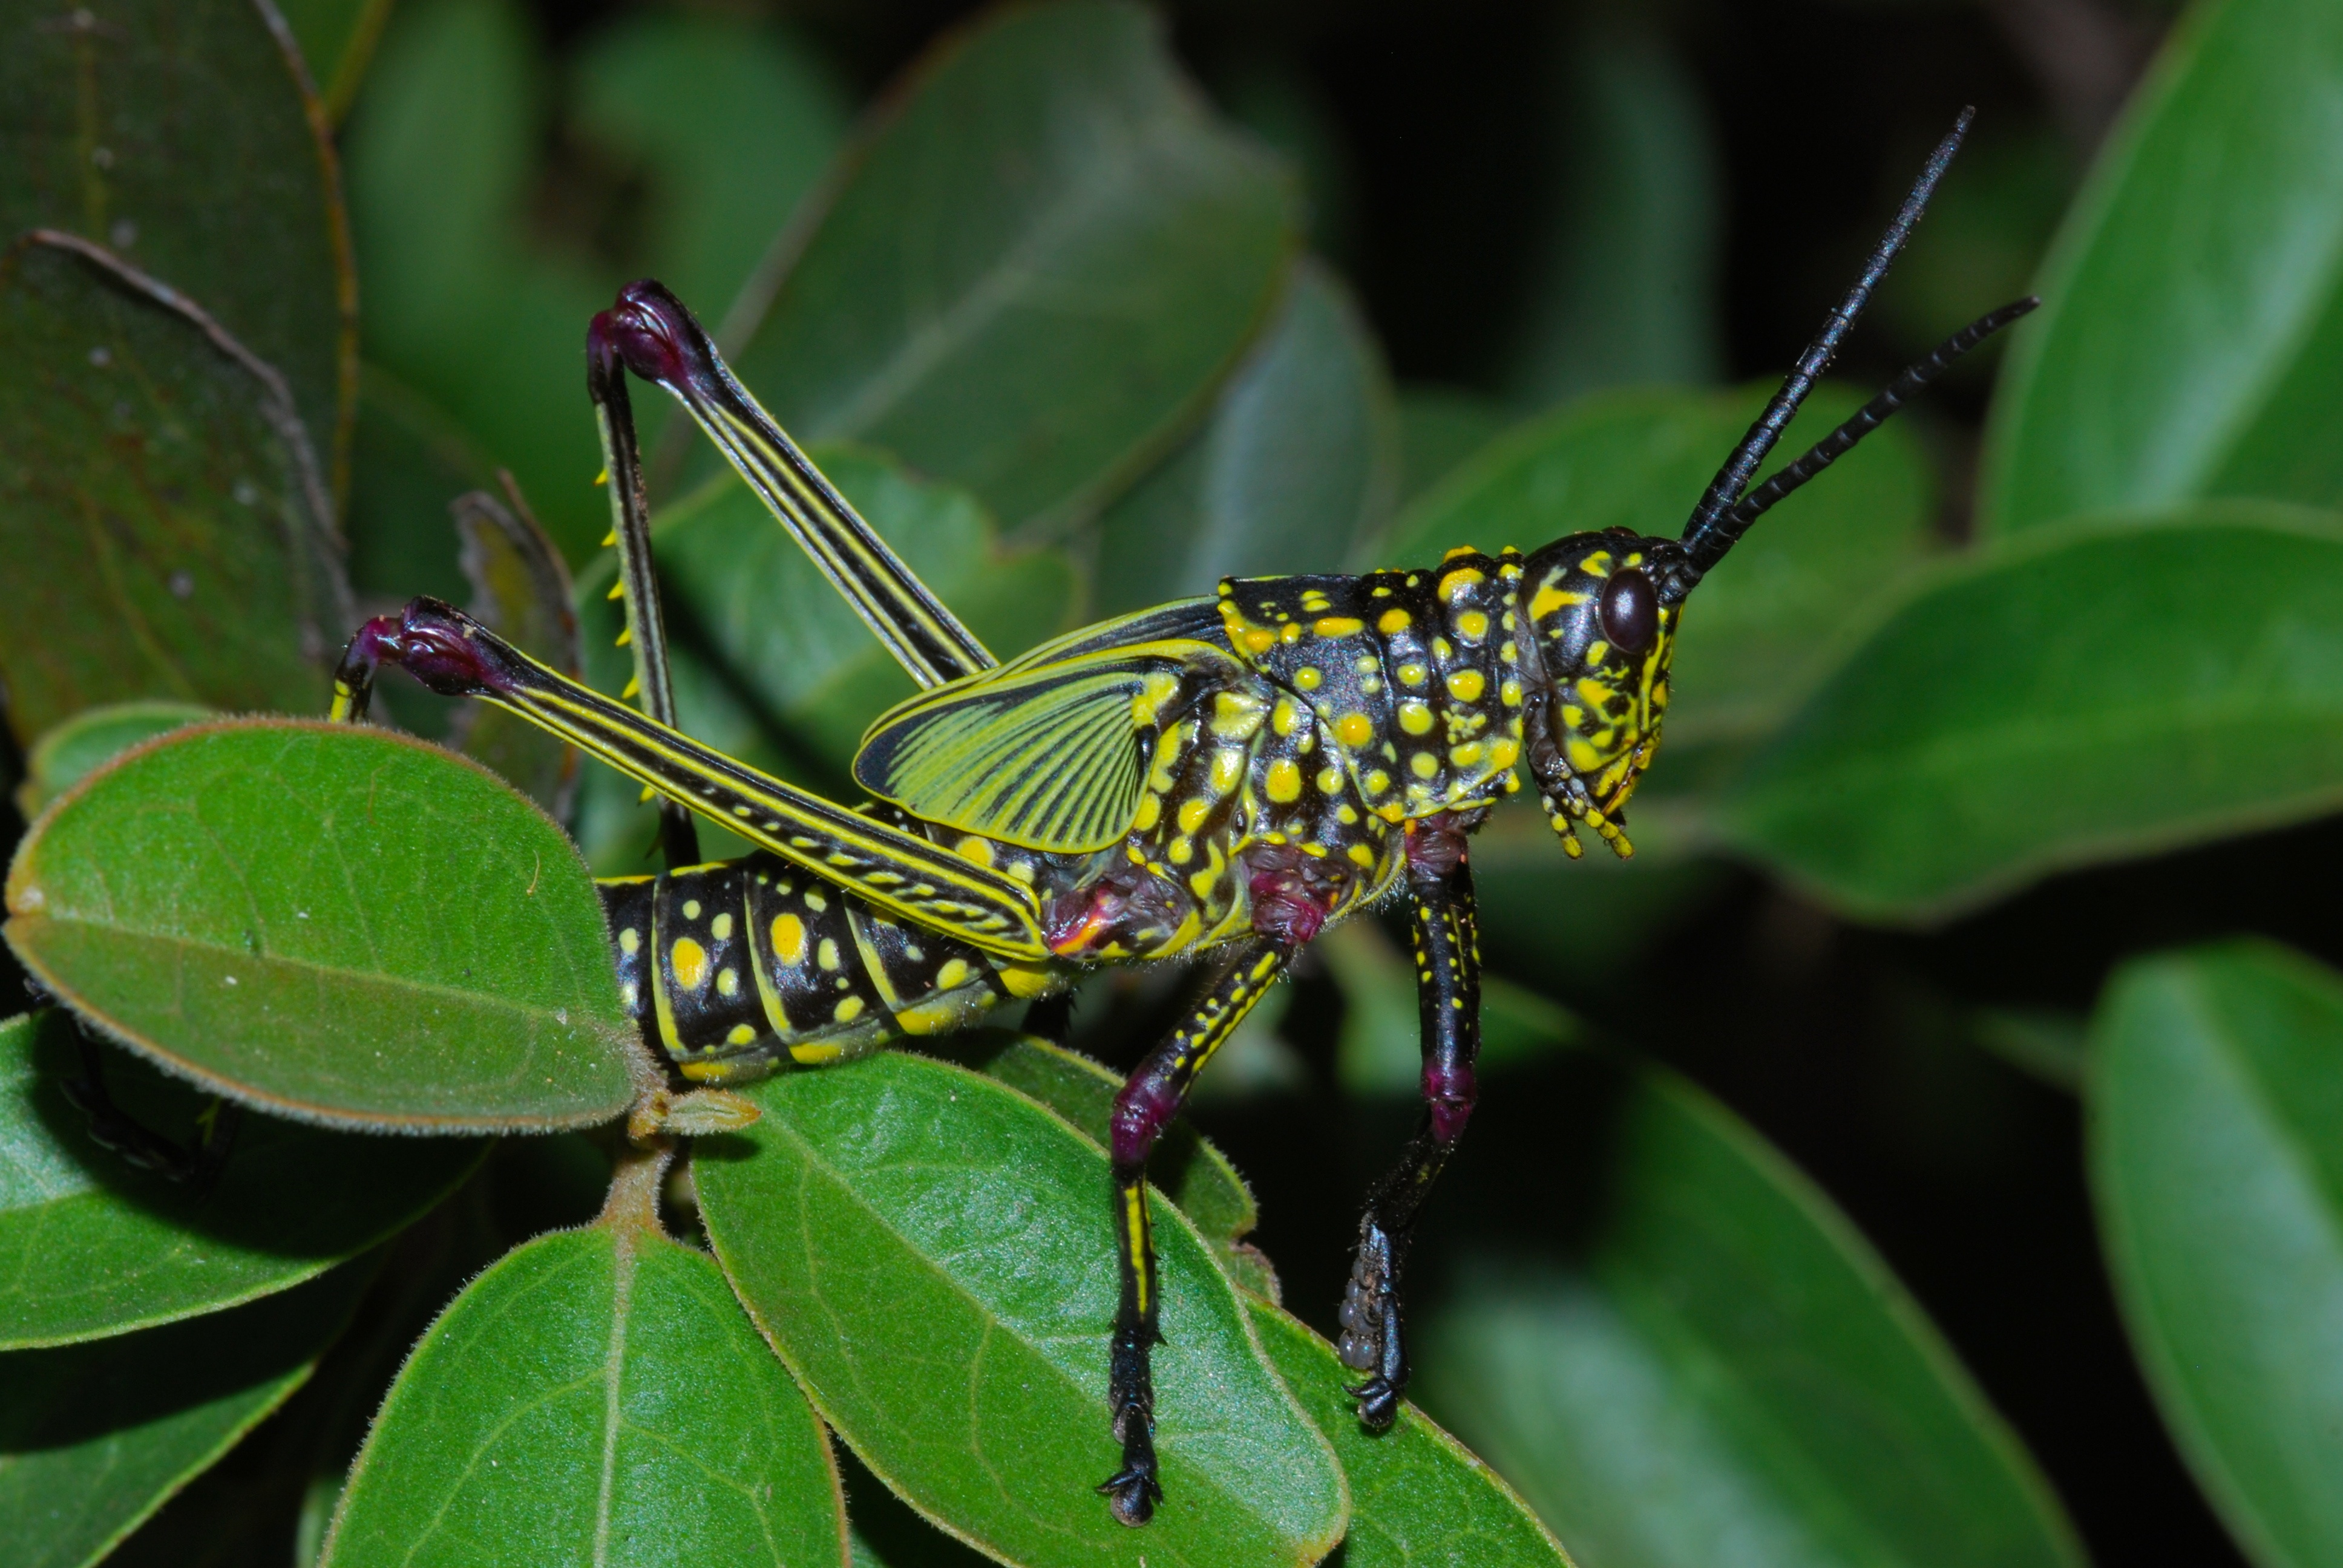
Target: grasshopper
point(1219, 778)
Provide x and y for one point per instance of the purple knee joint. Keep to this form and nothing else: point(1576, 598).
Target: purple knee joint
point(1142, 1111)
point(1448, 1092)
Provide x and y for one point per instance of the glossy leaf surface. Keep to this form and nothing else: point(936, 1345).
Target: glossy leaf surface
point(2215, 1097)
point(159, 491)
point(1417, 1496)
point(91, 1247)
point(932, 1255)
point(74, 750)
point(597, 1396)
point(1294, 472)
point(1046, 204)
point(1766, 622)
point(1723, 1370)
point(333, 922)
point(2188, 346)
point(2070, 699)
point(1185, 1166)
point(177, 132)
point(94, 1437)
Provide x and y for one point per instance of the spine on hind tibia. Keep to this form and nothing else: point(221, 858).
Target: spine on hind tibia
point(739, 968)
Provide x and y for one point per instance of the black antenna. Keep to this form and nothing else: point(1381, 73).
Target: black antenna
point(1863, 422)
point(1703, 541)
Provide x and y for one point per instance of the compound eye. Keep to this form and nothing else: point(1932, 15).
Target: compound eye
point(1630, 612)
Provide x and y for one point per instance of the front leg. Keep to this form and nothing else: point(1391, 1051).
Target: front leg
point(1448, 1003)
point(1150, 1097)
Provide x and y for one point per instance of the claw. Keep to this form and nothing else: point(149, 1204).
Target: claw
point(1133, 1492)
point(1378, 1404)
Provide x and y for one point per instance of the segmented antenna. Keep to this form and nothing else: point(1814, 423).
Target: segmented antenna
point(1864, 421)
point(1703, 538)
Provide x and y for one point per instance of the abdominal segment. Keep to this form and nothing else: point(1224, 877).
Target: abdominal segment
point(738, 969)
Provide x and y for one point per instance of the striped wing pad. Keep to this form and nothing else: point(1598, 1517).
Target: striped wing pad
point(1047, 759)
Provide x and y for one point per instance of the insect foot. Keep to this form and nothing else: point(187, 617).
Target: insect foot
point(1133, 1490)
point(1371, 1339)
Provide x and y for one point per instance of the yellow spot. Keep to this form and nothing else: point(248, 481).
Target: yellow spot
point(689, 960)
point(1423, 765)
point(1284, 782)
point(1354, 729)
point(720, 928)
point(1361, 854)
point(974, 847)
point(952, 975)
point(1158, 690)
point(826, 955)
point(600, 479)
point(741, 1034)
point(815, 901)
point(1228, 767)
point(1448, 556)
point(1377, 782)
point(1511, 693)
point(1339, 626)
point(1346, 813)
point(1150, 811)
point(1467, 755)
point(626, 637)
point(1291, 632)
point(1021, 871)
point(1307, 677)
point(1183, 850)
point(1459, 583)
point(705, 1071)
point(1330, 781)
point(1583, 756)
point(691, 909)
point(932, 1017)
point(1392, 620)
point(728, 982)
point(1466, 685)
point(1597, 565)
point(1284, 716)
point(1203, 882)
point(1503, 753)
point(789, 940)
point(1550, 598)
point(1023, 980)
point(1416, 717)
point(1508, 652)
point(848, 1010)
point(1257, 641)
point(820, 1053)
point(1192, 814)
point(630, 942)
point(1472, 626)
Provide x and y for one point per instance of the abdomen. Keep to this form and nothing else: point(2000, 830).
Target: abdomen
point(739, 968)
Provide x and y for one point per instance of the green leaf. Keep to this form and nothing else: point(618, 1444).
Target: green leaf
point(1723, 1370)
point(411, 460)
point(460, 306)
point(65, 755)
point(2061, 701)
point(727, 123)
point(1035, 268)
point(2189, 344)
point(2216, 1144)
point(179, 134)
point(94, 1437)
point(1623, 277)
point(1185, 1166)
point(772, 666)
point(933, 1256)
point(91, 1247)
point(337, 39)
point(1418, 1496)
point(1439, 429)
point(597, 1396)
point(160, 510)
point(333, 922)
point(1294, 472)
point(520, 591)
point(1766, 623)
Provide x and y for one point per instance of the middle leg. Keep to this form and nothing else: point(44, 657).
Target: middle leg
point(1448, 1002)
point(1150, 1097)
